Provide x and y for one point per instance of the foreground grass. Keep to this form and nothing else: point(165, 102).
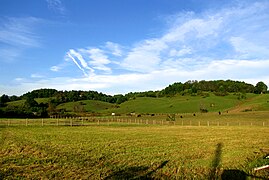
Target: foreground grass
point(128, 151)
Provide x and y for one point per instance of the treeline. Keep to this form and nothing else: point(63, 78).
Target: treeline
point(59, 97)
point(31, 108)
point(219, 87)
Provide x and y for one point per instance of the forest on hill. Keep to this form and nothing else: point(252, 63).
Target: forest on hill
point(31, 108)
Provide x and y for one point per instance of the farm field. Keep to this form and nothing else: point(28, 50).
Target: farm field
point(122, 150)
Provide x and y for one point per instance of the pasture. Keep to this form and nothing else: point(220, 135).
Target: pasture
point(123, 149)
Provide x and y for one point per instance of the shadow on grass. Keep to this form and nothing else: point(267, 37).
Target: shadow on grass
point(233, 174)
point(230, 174)
point(216, 162)
point(227, 174)
point(136, 172)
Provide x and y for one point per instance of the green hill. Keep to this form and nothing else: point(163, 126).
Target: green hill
point(87, 106)
point(180, 104)
point(16, 103)
point(175, 104)
point(21, 102)
point(255, 103)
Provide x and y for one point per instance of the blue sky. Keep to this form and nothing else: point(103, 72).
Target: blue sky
point(121, 46)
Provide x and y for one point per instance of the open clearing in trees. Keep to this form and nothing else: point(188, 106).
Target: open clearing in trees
point(133, 151)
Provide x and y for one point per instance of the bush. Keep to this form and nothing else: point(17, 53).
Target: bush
point(203, 110)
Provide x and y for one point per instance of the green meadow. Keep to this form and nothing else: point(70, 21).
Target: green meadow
point(136, 151)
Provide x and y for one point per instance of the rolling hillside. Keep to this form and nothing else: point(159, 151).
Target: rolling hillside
point(91, 106)
point(255, 103)
point(180, 104)
point(176, 104)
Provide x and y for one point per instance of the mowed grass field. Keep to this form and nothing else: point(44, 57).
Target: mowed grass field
point(134, 151)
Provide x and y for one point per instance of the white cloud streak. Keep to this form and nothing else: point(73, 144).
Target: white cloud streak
point(73, 55)
point(89, 60)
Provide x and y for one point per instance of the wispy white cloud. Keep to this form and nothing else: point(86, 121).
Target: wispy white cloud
point(114, 48)
point(145, 56)
point(182, 52)
point(38, 76)
point(19, 32)
point(16, 35)
point(55, 68)
point(57, 6)
point(98, 59)
point(9, 54)
point(247, 49)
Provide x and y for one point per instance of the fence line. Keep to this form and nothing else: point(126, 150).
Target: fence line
point(84, 121)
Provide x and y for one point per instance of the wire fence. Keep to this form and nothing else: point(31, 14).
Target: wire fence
point(86, 121)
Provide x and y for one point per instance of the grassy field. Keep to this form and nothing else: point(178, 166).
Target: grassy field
point(134, 151)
